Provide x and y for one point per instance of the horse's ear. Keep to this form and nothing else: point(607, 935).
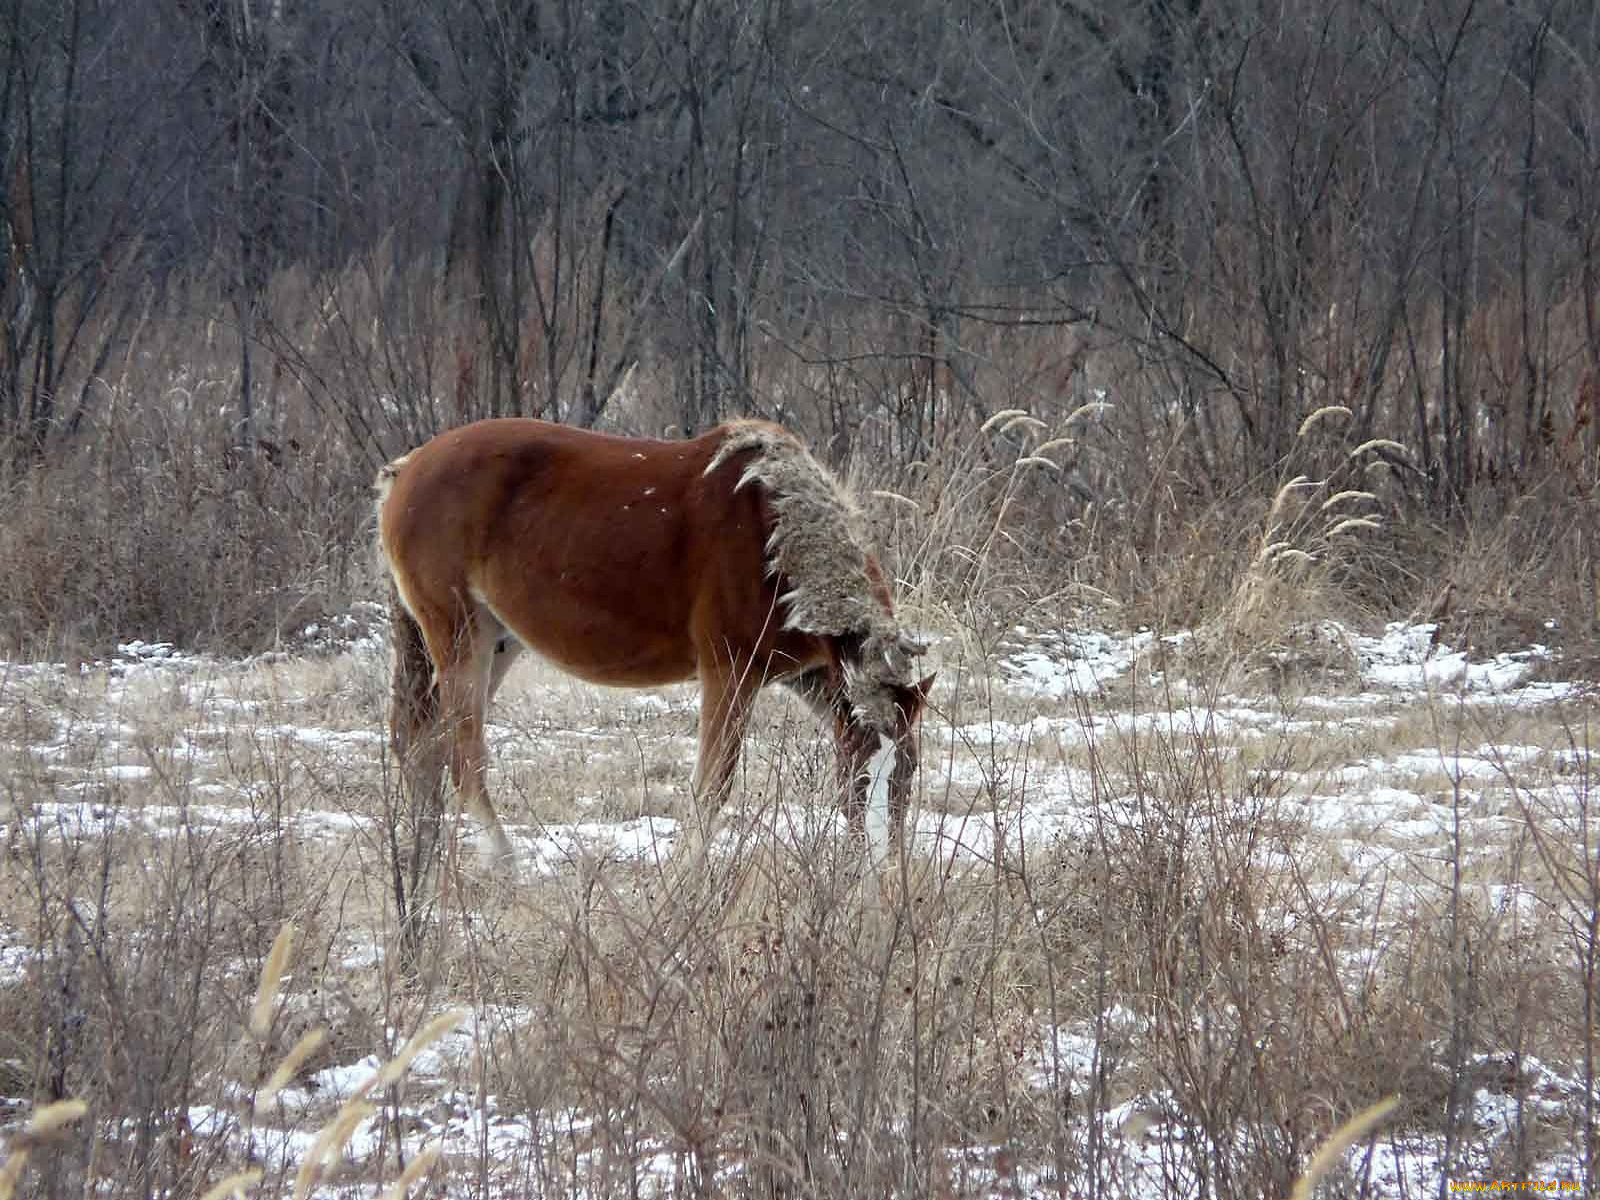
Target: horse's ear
point(916, 699)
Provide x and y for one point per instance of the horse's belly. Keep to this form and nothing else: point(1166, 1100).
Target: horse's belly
point(639, 671)
point(601, 648)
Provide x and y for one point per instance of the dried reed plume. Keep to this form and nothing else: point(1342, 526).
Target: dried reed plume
point(1350, 523)
point(1282, 495)
point(1001, 417)
point(271, 976)
point(330, 1142)
point(1346, 496)
point(41, 1127)
point(292, 1062)
point(1380, 444)
point(420, 1041)
point(1094, 406)
point(234, 1185)
point(1023, 420)
point(336, 1134)
point(333, 1137)
point(1342, 1138)
point(415, 1170)
point(1327, 410)
point(52, 1118)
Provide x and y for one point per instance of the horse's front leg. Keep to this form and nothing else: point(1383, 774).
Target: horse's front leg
point(727, 693)
point(851, 767)
point(819, 689)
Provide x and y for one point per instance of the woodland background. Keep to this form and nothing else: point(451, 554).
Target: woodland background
point(252, 249)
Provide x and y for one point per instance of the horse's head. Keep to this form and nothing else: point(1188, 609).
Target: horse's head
point(879, 733)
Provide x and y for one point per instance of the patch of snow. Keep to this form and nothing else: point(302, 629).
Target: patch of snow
point(14, 963)
point(1436, 762)
point(85, 818)
point(1409, 657)
point(342, 1081)
point(551, 848)
point(125, 771)
point(1076, 663)
point(362, 957)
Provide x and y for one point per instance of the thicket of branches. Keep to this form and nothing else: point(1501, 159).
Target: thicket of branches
point(254, 247)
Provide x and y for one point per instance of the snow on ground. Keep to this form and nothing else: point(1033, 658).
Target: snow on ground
point(120, 746)
point(1406, 656)
point(1059, 665)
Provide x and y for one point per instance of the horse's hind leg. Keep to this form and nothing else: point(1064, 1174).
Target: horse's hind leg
point(414, 713)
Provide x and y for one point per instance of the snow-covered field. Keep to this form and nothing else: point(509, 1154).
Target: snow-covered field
point(1368, 815)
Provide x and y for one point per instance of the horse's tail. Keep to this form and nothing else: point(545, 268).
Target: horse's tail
point(382, 485)
point(387, 474)
point(414, 695)
point(415, 700)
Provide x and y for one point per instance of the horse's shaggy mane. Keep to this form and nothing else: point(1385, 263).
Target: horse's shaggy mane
point(818, 547)
point(818, 539)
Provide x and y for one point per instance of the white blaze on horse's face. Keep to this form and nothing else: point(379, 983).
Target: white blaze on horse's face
point(880, 770)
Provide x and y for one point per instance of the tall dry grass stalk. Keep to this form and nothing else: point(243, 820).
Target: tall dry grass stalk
point(1311, 529)
point(329, 1143)
point(968, 528)
point(428, 1035)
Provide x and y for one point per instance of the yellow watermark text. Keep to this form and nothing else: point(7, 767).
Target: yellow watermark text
point(1506, 1185)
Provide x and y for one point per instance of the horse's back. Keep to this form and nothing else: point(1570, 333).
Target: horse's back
point(601, 552)
point(482, 482)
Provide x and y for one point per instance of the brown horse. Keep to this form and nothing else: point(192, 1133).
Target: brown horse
point(735, 559)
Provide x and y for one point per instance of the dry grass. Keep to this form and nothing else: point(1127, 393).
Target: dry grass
point(1162, 930)
point(1148, 938)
